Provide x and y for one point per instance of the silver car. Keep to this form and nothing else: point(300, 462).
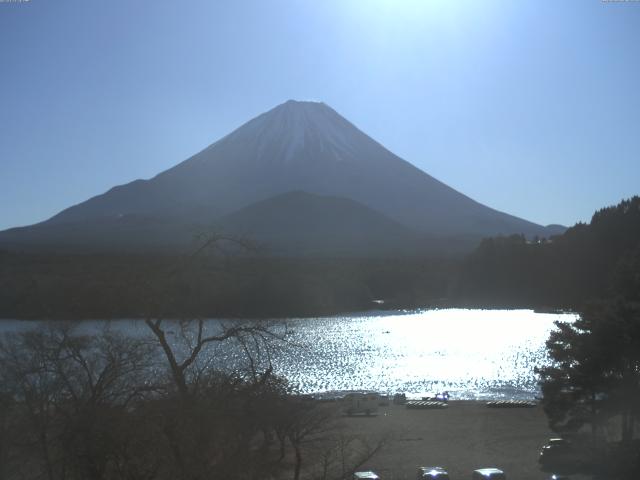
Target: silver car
point(432, 473)
point(369, 475)
point(488, 474)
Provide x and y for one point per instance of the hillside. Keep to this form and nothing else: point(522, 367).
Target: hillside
point(299, 223)
point(589, 261)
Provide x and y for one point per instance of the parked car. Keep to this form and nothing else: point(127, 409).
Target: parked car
point(488, 474)
point(432, 473)
point(369, 475)
point(557, 451)
point(557, 444)
point(558, 476)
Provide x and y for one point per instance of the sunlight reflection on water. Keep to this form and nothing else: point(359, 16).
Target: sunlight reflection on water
point(471, 353)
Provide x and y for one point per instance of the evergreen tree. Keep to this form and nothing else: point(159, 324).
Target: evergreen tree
point(594, 378)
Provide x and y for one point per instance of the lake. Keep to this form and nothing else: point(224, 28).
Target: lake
point(473, 354)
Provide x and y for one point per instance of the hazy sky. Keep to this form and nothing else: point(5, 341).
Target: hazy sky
point(530, 107)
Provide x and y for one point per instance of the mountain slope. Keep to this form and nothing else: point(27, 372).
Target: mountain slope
point(297, 223)
point(127, 233)
point(297, 146)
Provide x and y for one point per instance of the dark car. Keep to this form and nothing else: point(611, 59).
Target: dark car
point(557, 451)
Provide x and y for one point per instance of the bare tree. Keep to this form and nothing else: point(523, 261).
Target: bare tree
point(254, 338)
point(67, 393)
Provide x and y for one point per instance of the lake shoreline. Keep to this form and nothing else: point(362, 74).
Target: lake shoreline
point(419, 352)
point(378, 311)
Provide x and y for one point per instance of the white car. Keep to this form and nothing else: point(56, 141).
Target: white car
point(488, 474)
point(432, 473)
point(365, 476)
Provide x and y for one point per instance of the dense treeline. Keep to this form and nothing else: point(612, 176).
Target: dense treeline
point(110, 286)
point(588, 261)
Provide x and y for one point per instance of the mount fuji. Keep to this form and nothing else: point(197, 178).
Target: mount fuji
point(297, 165)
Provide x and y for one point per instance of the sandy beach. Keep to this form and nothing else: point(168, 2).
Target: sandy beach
point(461, 438)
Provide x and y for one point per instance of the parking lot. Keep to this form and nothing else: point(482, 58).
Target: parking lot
point(463, 437)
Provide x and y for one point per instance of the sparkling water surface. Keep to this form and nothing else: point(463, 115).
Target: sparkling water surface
point(472, 354)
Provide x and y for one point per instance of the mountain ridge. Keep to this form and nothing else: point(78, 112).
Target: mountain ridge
point(297, 146)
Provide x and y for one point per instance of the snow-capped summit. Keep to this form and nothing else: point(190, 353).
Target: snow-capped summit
point(294, 128)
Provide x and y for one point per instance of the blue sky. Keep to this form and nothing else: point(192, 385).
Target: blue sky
point(530, 107)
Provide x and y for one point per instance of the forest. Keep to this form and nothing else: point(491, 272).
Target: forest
point(588, 261)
